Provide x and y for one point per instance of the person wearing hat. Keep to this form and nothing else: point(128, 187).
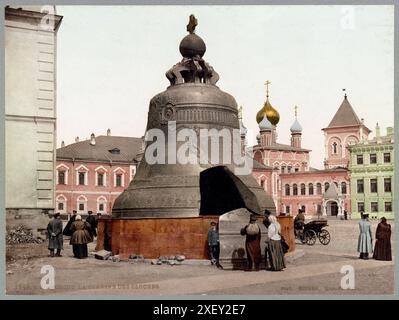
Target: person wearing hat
point(252, 243)
point(213, 243)
point(91, 219)
point(299, 222)
point(365, 241)
point(67, 229)
point(80, 237)
point(55, 239)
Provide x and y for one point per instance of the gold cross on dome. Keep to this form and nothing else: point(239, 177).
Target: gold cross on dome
point(267, 88)
point(192, 23)
point(296, 111)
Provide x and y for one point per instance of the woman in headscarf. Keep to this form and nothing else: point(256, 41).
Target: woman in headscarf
point(80, 237)
point(252, 243)
point(276, 254)
point(382, 249)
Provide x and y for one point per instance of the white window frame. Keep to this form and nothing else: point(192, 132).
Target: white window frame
point(86, 172)
point(102, 200)
point(104, 172)
point(61, 199)
point(66, 173)
point(119, 170)
point(79, 201)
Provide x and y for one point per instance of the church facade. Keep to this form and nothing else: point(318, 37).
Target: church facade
point(325, 192)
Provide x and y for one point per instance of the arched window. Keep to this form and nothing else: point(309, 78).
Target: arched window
point(101, 204)
point(303, 189)
point(326, 186)
point(81, 204)
point(318, 188)
point(61, 203)
point(287, 189)
point(294, 189)
point(334, 148)
point(310, 187)
point(343, 187)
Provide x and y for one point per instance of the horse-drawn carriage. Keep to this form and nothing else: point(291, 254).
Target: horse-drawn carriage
point(313, 230)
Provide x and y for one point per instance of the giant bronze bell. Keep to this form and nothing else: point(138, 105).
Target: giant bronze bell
point(194, 102)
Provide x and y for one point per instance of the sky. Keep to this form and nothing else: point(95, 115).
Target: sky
point(112, 60)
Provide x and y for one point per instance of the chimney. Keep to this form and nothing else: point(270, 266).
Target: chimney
point(93, 139)
point(377, 132)
point(390, 132)
point(77, 139)
point(108, 132)
point(62, 144)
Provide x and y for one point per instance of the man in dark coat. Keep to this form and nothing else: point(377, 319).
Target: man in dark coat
point(299, 222)
point(382, 249)
point(67, 229)
point(55, 239)
point(252, 243)
point(91, 219)
point(213, 243)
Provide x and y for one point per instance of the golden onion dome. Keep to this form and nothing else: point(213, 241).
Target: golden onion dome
point(268, 111)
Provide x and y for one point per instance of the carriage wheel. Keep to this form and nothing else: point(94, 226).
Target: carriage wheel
point(310, 237)
point(324, 237)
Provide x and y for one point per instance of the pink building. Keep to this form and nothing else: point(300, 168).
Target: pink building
point(344, 129)
point(90, 174)
point(294, 184)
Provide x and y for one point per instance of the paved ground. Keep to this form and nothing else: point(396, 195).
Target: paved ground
point(317, 271)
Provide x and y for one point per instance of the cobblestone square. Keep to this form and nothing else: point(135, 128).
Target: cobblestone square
point(316, 270)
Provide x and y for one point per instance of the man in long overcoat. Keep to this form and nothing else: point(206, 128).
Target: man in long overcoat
point(365, 242)
point(91, 219)
point(55, 239)
point(252, 243)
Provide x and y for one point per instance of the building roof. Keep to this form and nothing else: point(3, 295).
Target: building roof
point(380, 140)
point(345, 116)
point(280, 146)
point(129, 148)
point(316, 171)
point(258, 165)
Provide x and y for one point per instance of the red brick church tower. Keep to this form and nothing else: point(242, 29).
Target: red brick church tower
point(344, 129)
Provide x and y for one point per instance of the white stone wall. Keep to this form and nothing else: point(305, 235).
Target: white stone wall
point(30, 110)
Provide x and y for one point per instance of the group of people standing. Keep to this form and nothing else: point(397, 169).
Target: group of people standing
point(81, 233)
point(274, 252)
point(382, 247)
